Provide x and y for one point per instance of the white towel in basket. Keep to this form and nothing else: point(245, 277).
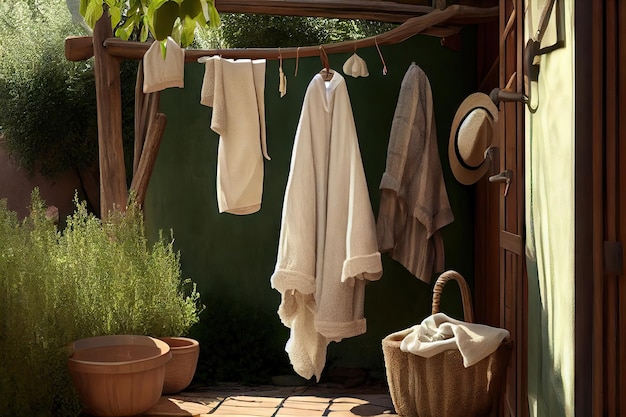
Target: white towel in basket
point(438, 333)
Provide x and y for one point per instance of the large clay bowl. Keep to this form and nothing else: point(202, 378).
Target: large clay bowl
point(119, 375)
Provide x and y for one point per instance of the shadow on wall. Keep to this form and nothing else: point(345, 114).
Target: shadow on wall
point(232, 258)
point(16, 186)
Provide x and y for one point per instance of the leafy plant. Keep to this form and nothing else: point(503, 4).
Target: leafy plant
point(48, 121)
point(161, 18)
point(249, 30)
point(48, 117)
point(94, 278)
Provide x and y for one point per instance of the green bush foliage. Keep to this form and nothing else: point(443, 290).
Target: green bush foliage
point(269, 31)
point(94, 278)
point(48, 103)
point(48, 120)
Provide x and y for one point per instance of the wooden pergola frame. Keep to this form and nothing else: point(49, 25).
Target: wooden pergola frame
point(108, 53)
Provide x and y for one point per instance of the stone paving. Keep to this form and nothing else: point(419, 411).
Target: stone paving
point(273, 401)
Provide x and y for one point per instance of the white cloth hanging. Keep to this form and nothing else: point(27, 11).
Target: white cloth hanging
point(161, 73)
point(414, 203)
point(438, 333)
point(327, 249)
point(235, 89)
point(355, 66)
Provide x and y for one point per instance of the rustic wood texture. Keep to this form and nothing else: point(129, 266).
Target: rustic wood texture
point(141, 179)
point(140, 98)
point(412, 27)
point(449, 17)
point(513, 277)
point(616, 225)
point(487, 196)
point(384, 11)
point(597, 146)
point(78, 48)
point(608, 162)
point(610, 302)
point(113, 190)
point(146, 107)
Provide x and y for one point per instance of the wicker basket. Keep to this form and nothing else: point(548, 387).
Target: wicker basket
point(440, 386)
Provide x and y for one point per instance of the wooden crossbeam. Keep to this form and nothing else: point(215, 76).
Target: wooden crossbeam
point(108, 53)
point(437, 22)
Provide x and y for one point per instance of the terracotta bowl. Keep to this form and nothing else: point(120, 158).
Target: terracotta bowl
point(180, 370)
point(119, 375)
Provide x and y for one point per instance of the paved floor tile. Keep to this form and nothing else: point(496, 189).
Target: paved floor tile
point(271, 401)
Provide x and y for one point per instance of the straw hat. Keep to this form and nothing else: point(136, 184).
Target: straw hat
point(472, 134)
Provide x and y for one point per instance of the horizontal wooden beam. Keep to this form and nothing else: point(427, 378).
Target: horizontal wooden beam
point(384, 11)
point(78, 48)
point(434, 22)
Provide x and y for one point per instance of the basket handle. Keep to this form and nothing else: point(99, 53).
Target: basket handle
point(468, 312)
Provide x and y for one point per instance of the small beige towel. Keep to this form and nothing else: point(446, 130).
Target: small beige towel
point(235, 89)
point(159, 73)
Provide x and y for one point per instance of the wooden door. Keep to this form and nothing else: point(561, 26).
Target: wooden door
point(513, 280)
point(500, 275)
point(605, 142)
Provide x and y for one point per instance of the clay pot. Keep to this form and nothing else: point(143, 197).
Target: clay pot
point(180, 370)
point(119, 375)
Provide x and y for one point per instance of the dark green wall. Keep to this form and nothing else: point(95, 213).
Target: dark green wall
point(231, 258)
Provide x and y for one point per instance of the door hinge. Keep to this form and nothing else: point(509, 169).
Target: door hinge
point(613, 258)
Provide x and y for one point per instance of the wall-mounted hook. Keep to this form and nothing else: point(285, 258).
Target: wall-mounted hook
point(497, 95)
point(503, 177)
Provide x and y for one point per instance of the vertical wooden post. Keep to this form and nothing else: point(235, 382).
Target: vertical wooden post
point(113, 189)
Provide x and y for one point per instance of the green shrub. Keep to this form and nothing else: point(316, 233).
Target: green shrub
point(48, 120)
point(48, 104)
point(252, 30)
point(94, 278)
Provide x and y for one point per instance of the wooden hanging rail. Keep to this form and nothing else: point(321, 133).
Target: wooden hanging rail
point(380, 10)
point(80, 48)
point(383, 11)
point(109, 51)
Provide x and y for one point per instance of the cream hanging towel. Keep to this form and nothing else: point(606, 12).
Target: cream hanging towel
point(235, 89)
point(327, 249)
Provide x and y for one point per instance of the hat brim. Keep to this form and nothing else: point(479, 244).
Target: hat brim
point(462, 172)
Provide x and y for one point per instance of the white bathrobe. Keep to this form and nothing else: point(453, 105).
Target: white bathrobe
point(327, 249)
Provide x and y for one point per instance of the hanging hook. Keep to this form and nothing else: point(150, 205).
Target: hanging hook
point(282, 79)
point(326, 73)
point(324, 58)
point(295, 74)
point(381, 56)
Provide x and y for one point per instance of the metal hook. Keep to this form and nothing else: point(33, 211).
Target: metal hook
point(381, 56)
point(295, 74)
